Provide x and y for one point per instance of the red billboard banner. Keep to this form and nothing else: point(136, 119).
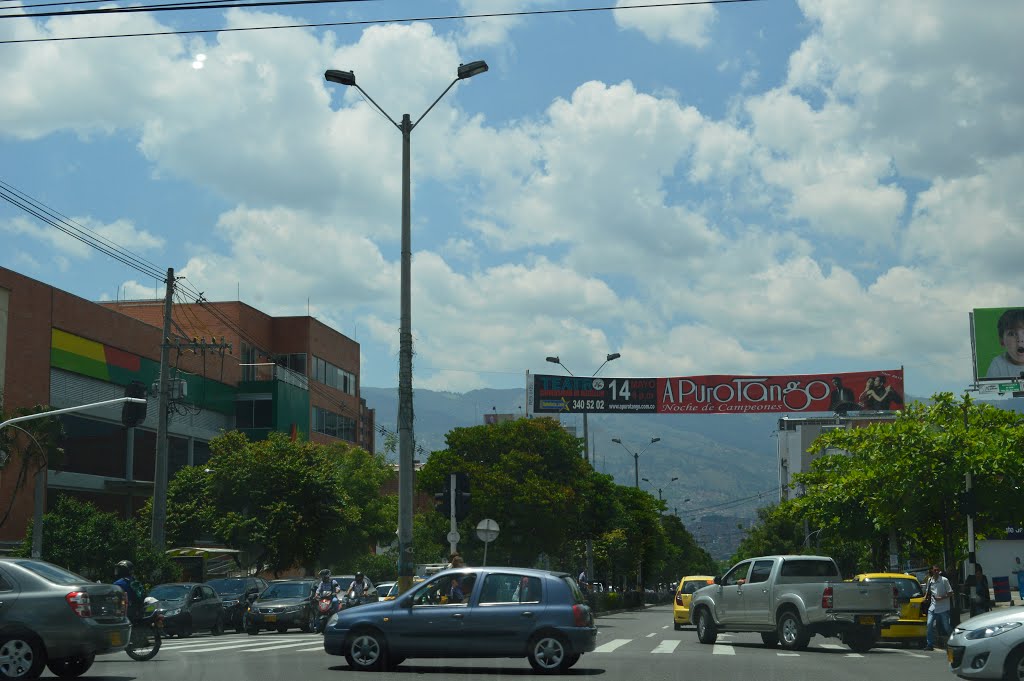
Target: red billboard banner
point(722, 394)
point(859, 391)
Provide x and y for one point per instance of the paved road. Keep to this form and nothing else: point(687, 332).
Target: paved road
point(632, 646)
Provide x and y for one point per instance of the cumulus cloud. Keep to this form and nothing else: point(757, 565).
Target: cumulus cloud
point(690, 25)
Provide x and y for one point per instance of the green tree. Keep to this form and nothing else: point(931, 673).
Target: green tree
point(26, 449)
point(88, 541)
point(283, 502)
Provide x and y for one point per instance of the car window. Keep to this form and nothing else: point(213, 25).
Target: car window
point(691, 586)
point(286, 590)
point(4, 584)
point(809, 568)
point(574, 588)
point(208, 592)
point(733, 577)
point(507, 588)
point(761, 571)
point(433, 592)
point(227, 586)
point(197, 593)
point(169, 592)
point(51, 573)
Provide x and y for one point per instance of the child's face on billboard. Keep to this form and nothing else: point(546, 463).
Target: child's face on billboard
point(1013, 342)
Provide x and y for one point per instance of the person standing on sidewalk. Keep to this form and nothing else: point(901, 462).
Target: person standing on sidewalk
point(938, 613)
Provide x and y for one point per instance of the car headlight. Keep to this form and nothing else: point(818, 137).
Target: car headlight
point(996, 630)
point(172, 613)
point(331, 622)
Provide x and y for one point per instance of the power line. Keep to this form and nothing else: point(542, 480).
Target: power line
point(172, 7)
point(61, 222)
point(489, 15)
point(189, 4)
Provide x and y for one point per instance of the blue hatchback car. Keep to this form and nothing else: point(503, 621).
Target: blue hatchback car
point(471, 612)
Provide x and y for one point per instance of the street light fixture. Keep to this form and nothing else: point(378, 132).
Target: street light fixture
point(636, 458)
point(647, 480)
point(406, 566)
point(586, 443)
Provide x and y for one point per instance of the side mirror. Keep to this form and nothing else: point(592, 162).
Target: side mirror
point(406, 602)
point(718, 580)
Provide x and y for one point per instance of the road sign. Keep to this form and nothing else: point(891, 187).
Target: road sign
point(454, 537)
point(487, 530)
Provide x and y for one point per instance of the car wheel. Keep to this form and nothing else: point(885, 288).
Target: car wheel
point(860, 641)
point(571, 660)
point(218, 626)
point(547, 653)
point(282, 629)
point(394, 661)
point(307, 625)
point(1014, 670)
point(792, 632)
point(770, 639)
point(707, 632)
point(252, 631)
point(366, 650)
point(21, 657)
point(70, 667)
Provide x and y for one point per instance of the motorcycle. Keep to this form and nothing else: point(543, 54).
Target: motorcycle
point(146, 633)
point(325, 607)
point(351, 601)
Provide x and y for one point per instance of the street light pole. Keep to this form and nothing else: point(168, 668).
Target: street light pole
point(406, 566)
point(636, 458)
point(586, 448)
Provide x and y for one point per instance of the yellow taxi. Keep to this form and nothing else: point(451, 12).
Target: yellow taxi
point(684, 592)
point(910, 630)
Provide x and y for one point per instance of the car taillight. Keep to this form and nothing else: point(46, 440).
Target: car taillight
point(579, 616)
point(826, 598)
point(679, 598)
point(79, 602)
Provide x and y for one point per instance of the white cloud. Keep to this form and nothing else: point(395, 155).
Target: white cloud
point(688, 25)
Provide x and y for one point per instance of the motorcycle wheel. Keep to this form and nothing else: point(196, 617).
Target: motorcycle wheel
point(146, 647)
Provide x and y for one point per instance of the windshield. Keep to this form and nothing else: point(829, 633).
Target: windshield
point(169, 592)
point(286, 590)
point(52, 573)
point(227, 586)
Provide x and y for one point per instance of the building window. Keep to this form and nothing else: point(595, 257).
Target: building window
point(248, 357)
point(334, 425)
point(254, 413)
point(337, 378)
point(296, 361)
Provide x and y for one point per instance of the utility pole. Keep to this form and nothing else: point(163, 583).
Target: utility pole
point(160, 474)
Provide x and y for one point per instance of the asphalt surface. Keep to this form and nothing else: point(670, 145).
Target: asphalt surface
point(631, 646)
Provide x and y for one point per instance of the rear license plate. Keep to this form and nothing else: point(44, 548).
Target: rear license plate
point(865, 619)
point(270, 618)
point(115, 638)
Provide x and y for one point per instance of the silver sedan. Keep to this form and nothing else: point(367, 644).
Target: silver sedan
point(989, 646)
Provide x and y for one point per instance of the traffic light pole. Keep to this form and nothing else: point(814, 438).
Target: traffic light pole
point(453, 534)
point(160, 468)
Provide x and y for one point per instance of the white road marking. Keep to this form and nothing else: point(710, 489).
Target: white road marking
point(666, 647)
point(788, 654)
point(853, 655)
point(832, 646)
point(723, 650)
point(651, 634)
point(251, 647)
point(612, 645)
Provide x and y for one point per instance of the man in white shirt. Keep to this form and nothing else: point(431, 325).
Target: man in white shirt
point(938, 613)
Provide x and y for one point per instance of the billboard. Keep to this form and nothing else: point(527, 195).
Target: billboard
point(721, 394)
point(997, 337)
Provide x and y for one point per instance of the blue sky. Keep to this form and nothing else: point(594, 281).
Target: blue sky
point(754, 188)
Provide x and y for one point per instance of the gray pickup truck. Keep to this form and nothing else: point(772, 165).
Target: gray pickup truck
point(788, 599)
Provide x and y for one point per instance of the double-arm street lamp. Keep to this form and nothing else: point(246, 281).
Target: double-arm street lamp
point(647, 480)
point(636, 458)
point(406, 567)
point(586, 445)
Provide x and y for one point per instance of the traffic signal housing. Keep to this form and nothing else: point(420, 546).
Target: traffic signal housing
point(462, 496)
point(443, 500)
point(134, 413)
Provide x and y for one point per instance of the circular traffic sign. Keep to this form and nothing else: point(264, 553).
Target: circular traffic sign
point(487, 530)
point(454, 537)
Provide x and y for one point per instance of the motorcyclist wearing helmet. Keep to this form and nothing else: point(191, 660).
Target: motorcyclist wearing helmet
point(358, 588)
point(327, 586)
point(125, 573)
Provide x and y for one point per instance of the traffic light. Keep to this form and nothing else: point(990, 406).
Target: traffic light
point(134, 413)
point(968, 502)
point(462, 496)
point(443, 500)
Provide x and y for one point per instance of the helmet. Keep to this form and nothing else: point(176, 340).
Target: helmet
point(124, 568)
point(324, 574)
point(359, 575)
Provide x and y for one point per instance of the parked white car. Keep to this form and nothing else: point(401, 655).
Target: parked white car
point(989, 646)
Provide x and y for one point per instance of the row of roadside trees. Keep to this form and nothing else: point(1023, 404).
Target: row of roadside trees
point(288, 504)
point(901, 485)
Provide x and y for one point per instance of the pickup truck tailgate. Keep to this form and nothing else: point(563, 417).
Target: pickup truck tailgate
point(861, 597)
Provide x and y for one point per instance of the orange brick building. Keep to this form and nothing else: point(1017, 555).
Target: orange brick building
point(292, 374)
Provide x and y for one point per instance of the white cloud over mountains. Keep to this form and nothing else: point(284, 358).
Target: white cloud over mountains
point(847, 217)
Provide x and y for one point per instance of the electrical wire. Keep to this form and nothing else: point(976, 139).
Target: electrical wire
point(196, 4)
point(172, 7)
point(77, 231)
point(489, 15)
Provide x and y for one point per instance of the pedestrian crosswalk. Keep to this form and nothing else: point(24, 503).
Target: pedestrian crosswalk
point(646, 644)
